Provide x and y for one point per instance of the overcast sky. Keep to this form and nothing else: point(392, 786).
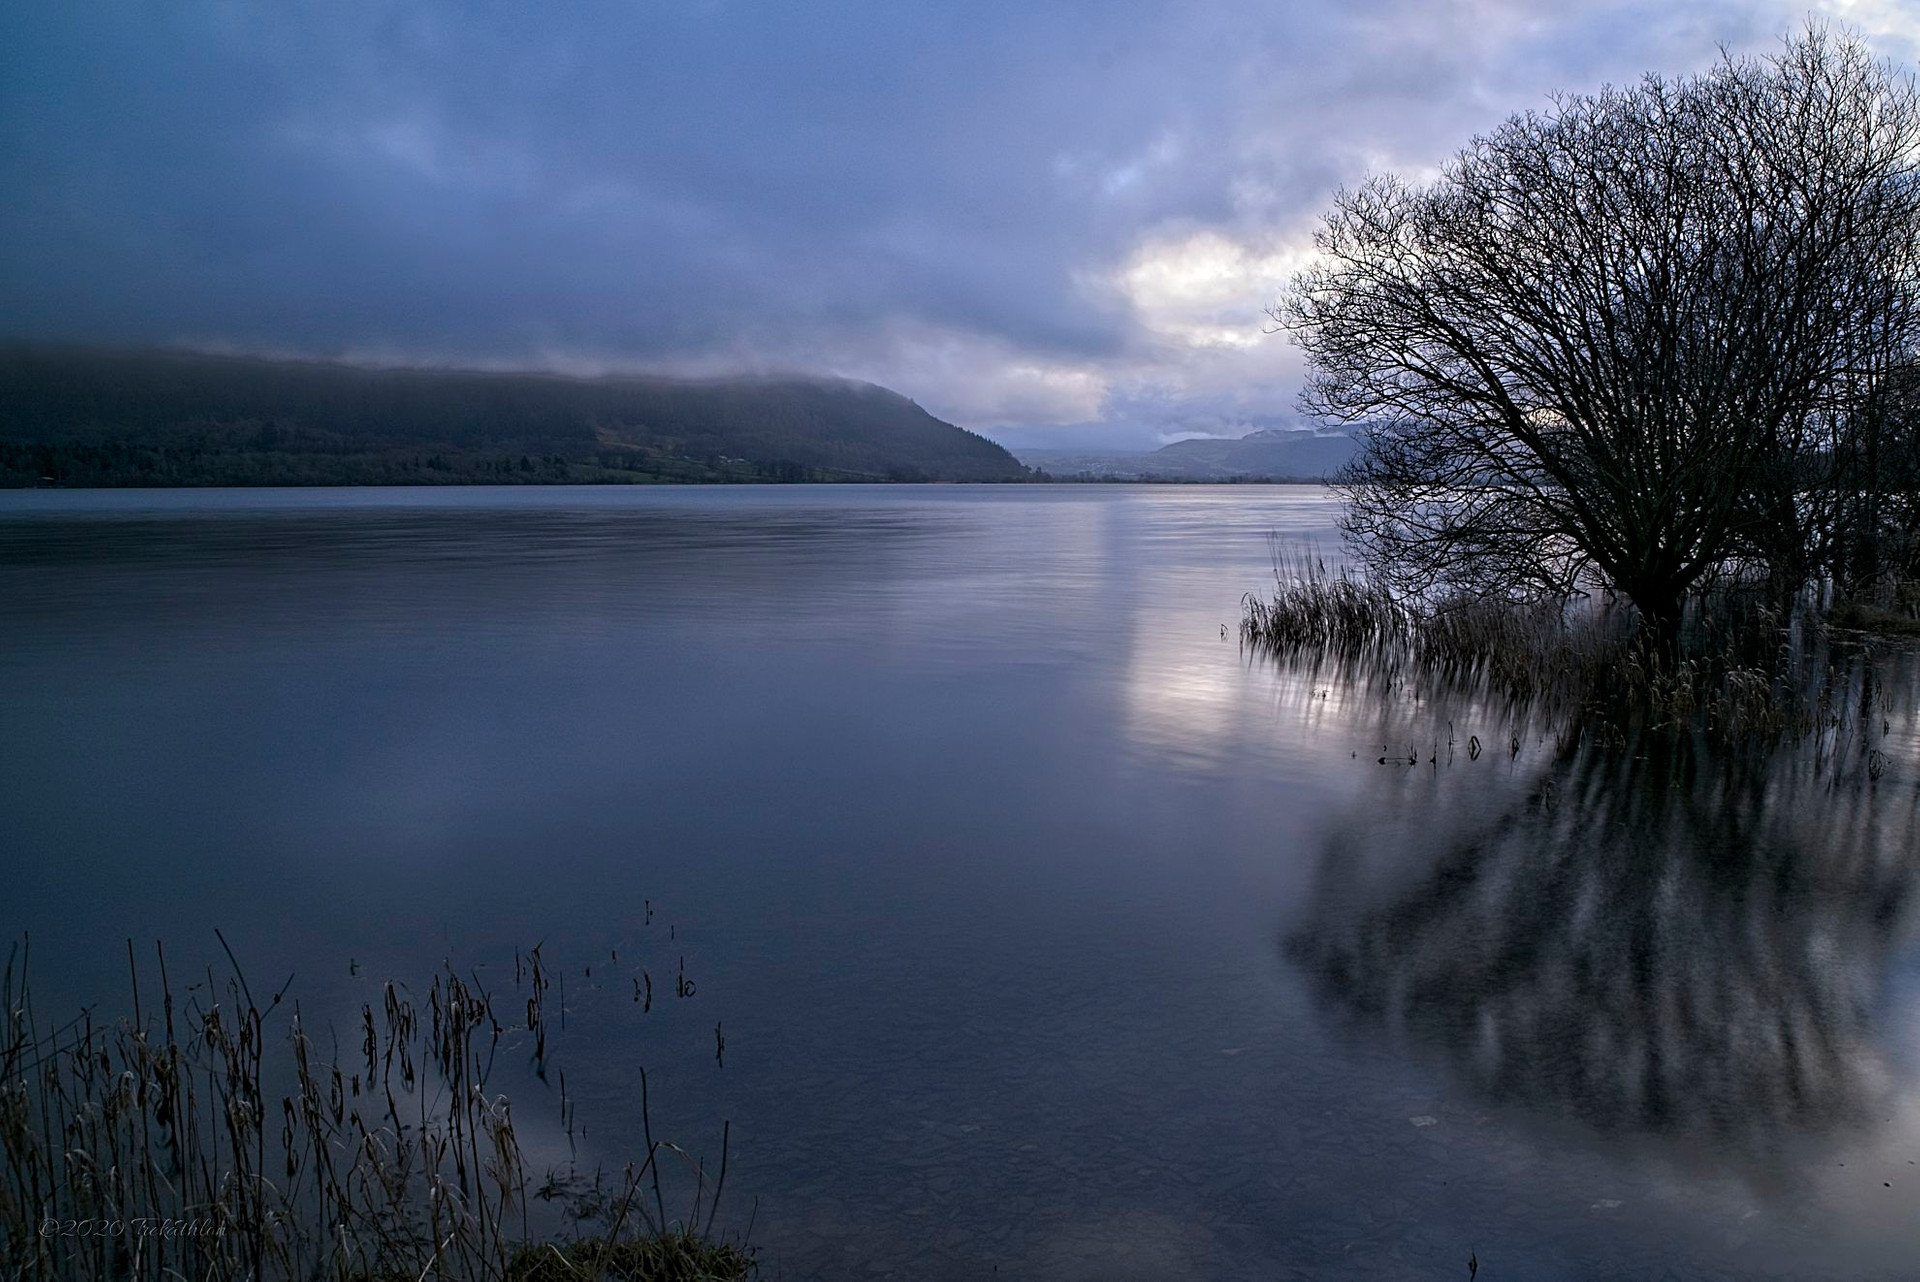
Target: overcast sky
point(1057, 224)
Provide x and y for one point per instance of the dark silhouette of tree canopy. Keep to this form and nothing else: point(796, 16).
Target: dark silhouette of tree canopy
point(1629, 343)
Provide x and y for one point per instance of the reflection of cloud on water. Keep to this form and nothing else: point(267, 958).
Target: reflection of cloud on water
point(1182, 704)
point(1191, 702)
point(1193, 699)
point(1659, 943)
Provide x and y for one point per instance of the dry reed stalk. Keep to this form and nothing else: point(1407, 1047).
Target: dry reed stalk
point(1750, 674)
point(139, 1149)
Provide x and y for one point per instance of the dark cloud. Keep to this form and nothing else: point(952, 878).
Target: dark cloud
point(989, 206)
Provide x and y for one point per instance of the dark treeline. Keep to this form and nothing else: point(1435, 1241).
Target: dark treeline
point(74, 416)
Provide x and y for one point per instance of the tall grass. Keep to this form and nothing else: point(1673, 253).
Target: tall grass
point(213, 1139)
point(1746, 671)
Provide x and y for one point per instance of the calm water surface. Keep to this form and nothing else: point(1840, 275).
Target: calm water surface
point(1050, 931)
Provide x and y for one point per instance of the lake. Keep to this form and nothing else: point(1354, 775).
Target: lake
point(1051, 931)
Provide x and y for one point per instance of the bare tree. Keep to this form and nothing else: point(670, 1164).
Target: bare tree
point(1621, 343)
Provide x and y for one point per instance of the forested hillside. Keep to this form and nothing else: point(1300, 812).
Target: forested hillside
point(89, 417)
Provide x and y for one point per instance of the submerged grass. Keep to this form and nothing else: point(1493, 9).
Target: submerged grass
point(1745, 671)
point(210, 1139)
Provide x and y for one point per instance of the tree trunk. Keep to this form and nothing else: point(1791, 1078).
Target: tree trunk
point(1659, 607)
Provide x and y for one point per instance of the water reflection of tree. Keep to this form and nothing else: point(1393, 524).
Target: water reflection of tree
point(1651, 940)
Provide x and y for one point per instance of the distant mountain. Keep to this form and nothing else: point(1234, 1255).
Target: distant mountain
point(1270, 454)
point(90, 417)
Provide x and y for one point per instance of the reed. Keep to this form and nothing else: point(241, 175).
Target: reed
point(211, 1139)
point(1745, 670)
